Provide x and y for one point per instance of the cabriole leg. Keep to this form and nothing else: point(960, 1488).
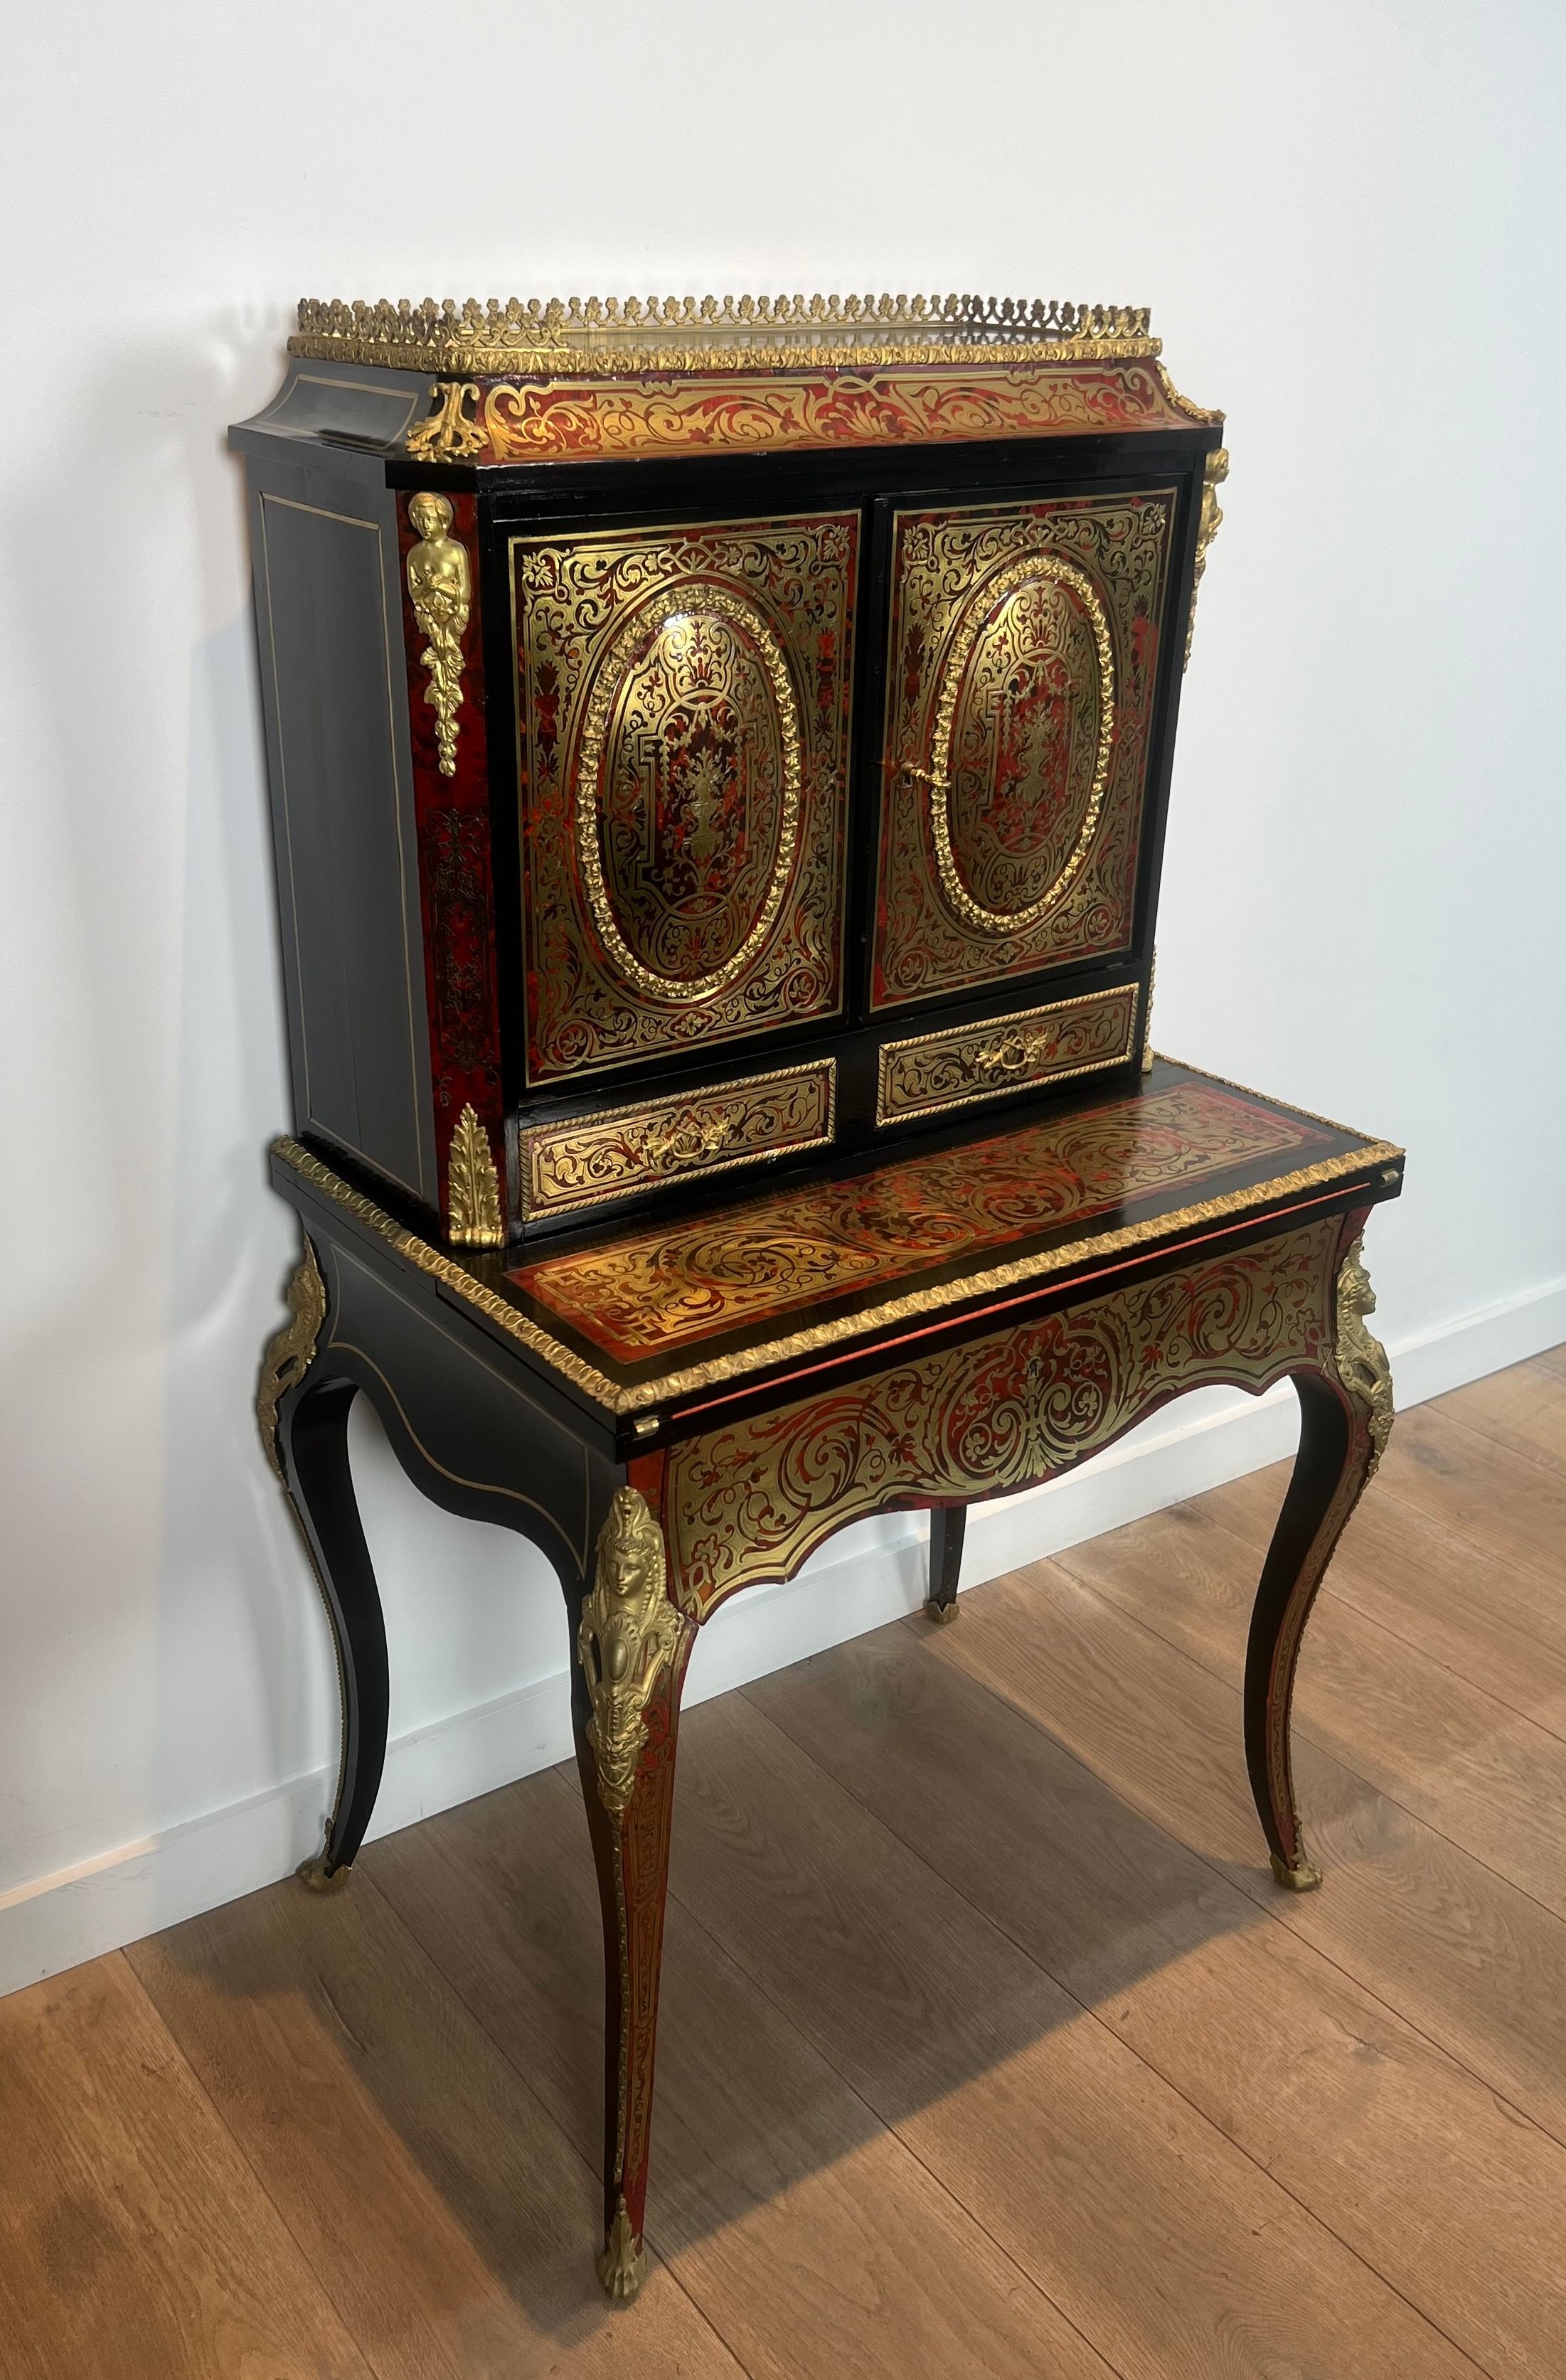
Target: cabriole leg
point(313, 1436)
point(304, 1428)
point(632, 1649)
point(948, 1523)
point(1345, 1420)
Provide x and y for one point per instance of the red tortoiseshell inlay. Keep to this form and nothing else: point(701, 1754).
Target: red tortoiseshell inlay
point(672, 412)
point(657, 1288)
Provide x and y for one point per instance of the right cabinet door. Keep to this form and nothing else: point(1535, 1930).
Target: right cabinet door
point(1023, 650)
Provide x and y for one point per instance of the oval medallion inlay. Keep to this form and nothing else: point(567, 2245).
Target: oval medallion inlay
point(1024, 730)
point(687, 792)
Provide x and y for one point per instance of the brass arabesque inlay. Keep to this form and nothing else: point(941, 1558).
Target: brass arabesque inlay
point(680, 628)
point(615, 1396)
point(622, 1151)
point(440, 589)
point(751, 1499)
point(932, 1072)
point(641, 1294)
point(708, 793)
point(1006, 588)
point(1035, 830)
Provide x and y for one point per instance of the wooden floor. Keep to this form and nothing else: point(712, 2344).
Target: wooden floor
point(988, 2045)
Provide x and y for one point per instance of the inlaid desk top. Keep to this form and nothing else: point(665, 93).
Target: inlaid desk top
point(649, 1324)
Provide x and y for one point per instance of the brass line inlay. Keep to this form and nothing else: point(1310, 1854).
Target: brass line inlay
point(614, 1398)
point(930, 1073)
point(349, 520)
point(595, 1159)
point(579, 1554)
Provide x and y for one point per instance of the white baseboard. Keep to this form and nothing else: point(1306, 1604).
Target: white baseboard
point(872, 1573)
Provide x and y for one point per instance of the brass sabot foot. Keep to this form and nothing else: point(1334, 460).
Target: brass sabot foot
point(316, 1875)
point(941, 1613)
point(623, 2265)
point(1301, 1877)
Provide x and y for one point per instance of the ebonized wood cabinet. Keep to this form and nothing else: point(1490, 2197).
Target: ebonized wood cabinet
point(712, 739)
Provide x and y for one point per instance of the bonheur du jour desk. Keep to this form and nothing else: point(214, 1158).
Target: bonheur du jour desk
point(674, 1413)
point(719, 756)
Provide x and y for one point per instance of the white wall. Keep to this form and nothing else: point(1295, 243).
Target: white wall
point(1346, 220)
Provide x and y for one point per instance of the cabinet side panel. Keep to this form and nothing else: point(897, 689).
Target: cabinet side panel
point(346, 867)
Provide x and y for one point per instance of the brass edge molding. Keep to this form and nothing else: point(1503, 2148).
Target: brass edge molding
point(1203, 413)
point(1037, 1267)
point(722, 1097)
point(977, 611)
point(1015, 1020)
point(448, 435)
point(440, 587)
point(691, 596)
point(291, 1349)
point(485, 1301)
point(608, 364)
point(1215, 472)
point(1148, 1016)
point(628, 1634)
point(473, 1215)
point(1379, 1151)
point(1359, 1357)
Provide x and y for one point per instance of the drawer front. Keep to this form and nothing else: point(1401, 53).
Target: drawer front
point(955, 1069)
point(596, 1158)
point(684, 708)
point(1024, 641)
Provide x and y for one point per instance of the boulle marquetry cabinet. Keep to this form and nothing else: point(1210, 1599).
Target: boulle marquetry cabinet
point(719, 760)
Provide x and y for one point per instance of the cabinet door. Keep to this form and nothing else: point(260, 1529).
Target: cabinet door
point(1024, 641)
point(683, 710)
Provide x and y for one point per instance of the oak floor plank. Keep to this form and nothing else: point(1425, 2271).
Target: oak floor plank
point(1481, 1773)
point(1411, 2161)
point(135, 2242)
point(816, 2242)
point(1499, 1625)
point(452, 2221)
point(1553, 1360)
point(1511, 1502)
point(1466, 1958)
point(1522, 1408)
point(1170, 2249)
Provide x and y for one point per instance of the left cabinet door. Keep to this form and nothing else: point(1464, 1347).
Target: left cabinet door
point(683, 701)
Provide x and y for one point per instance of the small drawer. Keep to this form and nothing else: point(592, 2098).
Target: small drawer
point(595, 1159)
point(1006, 1053)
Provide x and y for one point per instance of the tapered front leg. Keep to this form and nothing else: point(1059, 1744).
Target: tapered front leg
point(632, 1649)
point(304, 1424)
point(1346, 1419)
